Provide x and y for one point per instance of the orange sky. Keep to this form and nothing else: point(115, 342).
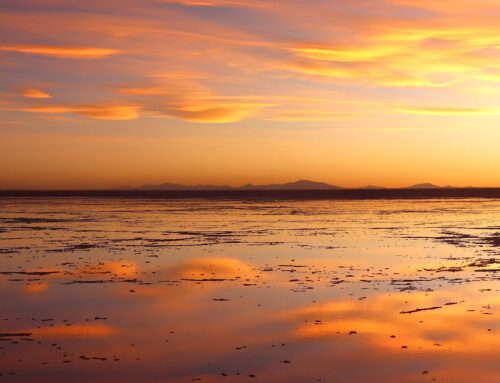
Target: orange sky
point(387, 92)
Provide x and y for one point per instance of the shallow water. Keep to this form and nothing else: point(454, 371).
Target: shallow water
point(128, 290)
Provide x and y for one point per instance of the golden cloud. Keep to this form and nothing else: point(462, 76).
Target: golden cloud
point(221, 3)
point(100, 112)
point(109, 112)
point(205, 60)
point(191, 102)
point(214, 112)
point(344, 55)
point(405, 54)
point(35, 93)
point(62, 52)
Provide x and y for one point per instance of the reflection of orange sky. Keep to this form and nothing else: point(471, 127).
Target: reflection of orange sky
point(198, 335)
point(74, 331)
point(224, 268)
point(213, 266)
point(177, 327)
point(379, 317)
point(36, 288)
point(120, 268)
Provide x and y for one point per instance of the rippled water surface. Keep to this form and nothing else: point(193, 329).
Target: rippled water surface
point(143, 290)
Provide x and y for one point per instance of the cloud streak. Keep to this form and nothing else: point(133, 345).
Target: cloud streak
point(100, 112)
point(35, 93)
point(62, 52)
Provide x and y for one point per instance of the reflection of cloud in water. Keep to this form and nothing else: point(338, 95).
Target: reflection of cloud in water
point(118, 268)
point(442, 324)
point(75, 331)
point(212, 266)
point(187, 312)
point(36, 288)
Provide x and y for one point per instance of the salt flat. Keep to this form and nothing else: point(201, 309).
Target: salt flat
point(153, 290)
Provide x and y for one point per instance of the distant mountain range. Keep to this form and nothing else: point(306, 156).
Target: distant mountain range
point(295, 185)
point(424, 186)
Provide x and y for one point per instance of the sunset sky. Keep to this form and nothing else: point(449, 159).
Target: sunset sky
point(95, 94)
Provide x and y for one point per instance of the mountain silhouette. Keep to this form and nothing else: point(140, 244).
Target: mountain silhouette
point(295, 185)
point(424, 186)
point(172, 186)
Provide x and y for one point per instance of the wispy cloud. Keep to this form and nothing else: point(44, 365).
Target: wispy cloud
point(184, 99)
point(222, 3)
point(35, 93)
point(62, 52)
point(217, 113)
point(100, 112)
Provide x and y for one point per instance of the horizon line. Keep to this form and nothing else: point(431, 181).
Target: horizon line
point(304, 184)
point(239, 189)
